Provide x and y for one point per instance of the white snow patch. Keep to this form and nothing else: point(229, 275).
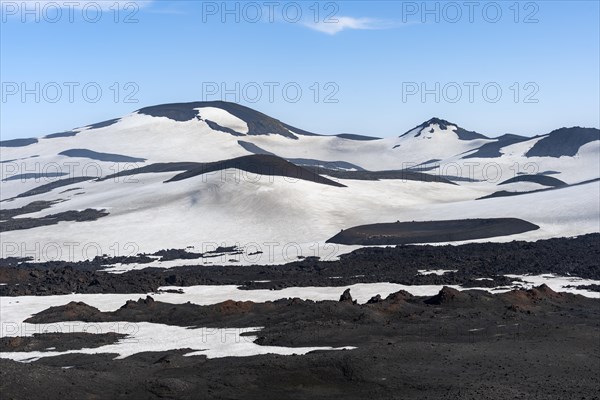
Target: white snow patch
point(223, 118)
point(435, 271)
point(558, 283)
point(146, 336)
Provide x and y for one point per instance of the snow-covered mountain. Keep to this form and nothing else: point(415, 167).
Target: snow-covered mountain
point(220, 174)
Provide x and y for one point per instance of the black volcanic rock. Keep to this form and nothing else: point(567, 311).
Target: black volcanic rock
point(492, 150)
point(462, 134)
point(403, 174)
point(60, 341)
point(139, 304)
point(154, 168)
point(576, 257)
point(505, 193)
point(258, 123)
point(258, 164)
point(17, 142)
point(309, 163)
point(447, 295)
point(543, 291)
point(34, 175)
point(563, 142)
point(375, 299)
point(353, 136)
point(254, 149)
point(55, 184)
point(346, 297)
point(544, 180)
point(103, 124)
point(89, 214)
point(73, 311)
point(431, 231)
point(61, 134)
point(94, 155)
point(216, 127)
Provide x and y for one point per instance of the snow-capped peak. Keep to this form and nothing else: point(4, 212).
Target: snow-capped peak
point(437, 126)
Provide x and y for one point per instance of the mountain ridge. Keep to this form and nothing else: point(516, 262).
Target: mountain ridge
point(263, 124)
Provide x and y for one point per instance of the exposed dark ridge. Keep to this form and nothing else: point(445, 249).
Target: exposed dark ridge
point(59, 341)
point(181, 112)
point(336, 173)
point(348, 136)
point(447, 295)
point(541, 173)
point(352, 136)
point(17, 159)
point(492, 150)
point(443, 124)
point(216, 127)
point(258, 123)
point(563, 142)
point(53, 185)
point(35, 206)
point(540, 179)
point(94, 155)
point(431, 231)
point(422, 168)
point(34, 175)
point(453, 178)
point(303, 162)
point(258, 164)
point(154, 168)
point(505, 193)
point(425, 168)
point(61, 134)
point(432, 161)
point(103, 124)
point(337, 165)
point(377, 175)
point(462, 134)
point(254, 149)
point(17, 142)
point(72, 215)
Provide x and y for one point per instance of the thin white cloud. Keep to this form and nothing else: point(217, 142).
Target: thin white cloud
point(347, 23)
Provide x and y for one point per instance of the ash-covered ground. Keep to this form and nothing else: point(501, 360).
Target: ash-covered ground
point(467, 265)
point(471, 344)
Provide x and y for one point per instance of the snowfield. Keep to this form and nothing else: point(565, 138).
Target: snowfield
point(281, 217)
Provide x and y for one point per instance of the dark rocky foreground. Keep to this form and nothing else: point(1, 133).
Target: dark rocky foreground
point(527, 344)
point(563, 256)
point(535, 344)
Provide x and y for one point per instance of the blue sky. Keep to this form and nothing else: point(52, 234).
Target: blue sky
point(364, 70)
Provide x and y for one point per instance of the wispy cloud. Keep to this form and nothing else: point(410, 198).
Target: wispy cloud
point(348, 23)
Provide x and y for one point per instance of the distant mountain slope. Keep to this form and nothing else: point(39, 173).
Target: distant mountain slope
point(563, 142)
point(492, 150)
point(258, 123)
point(443, 125)
point(188, 174)
point(266, 165)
